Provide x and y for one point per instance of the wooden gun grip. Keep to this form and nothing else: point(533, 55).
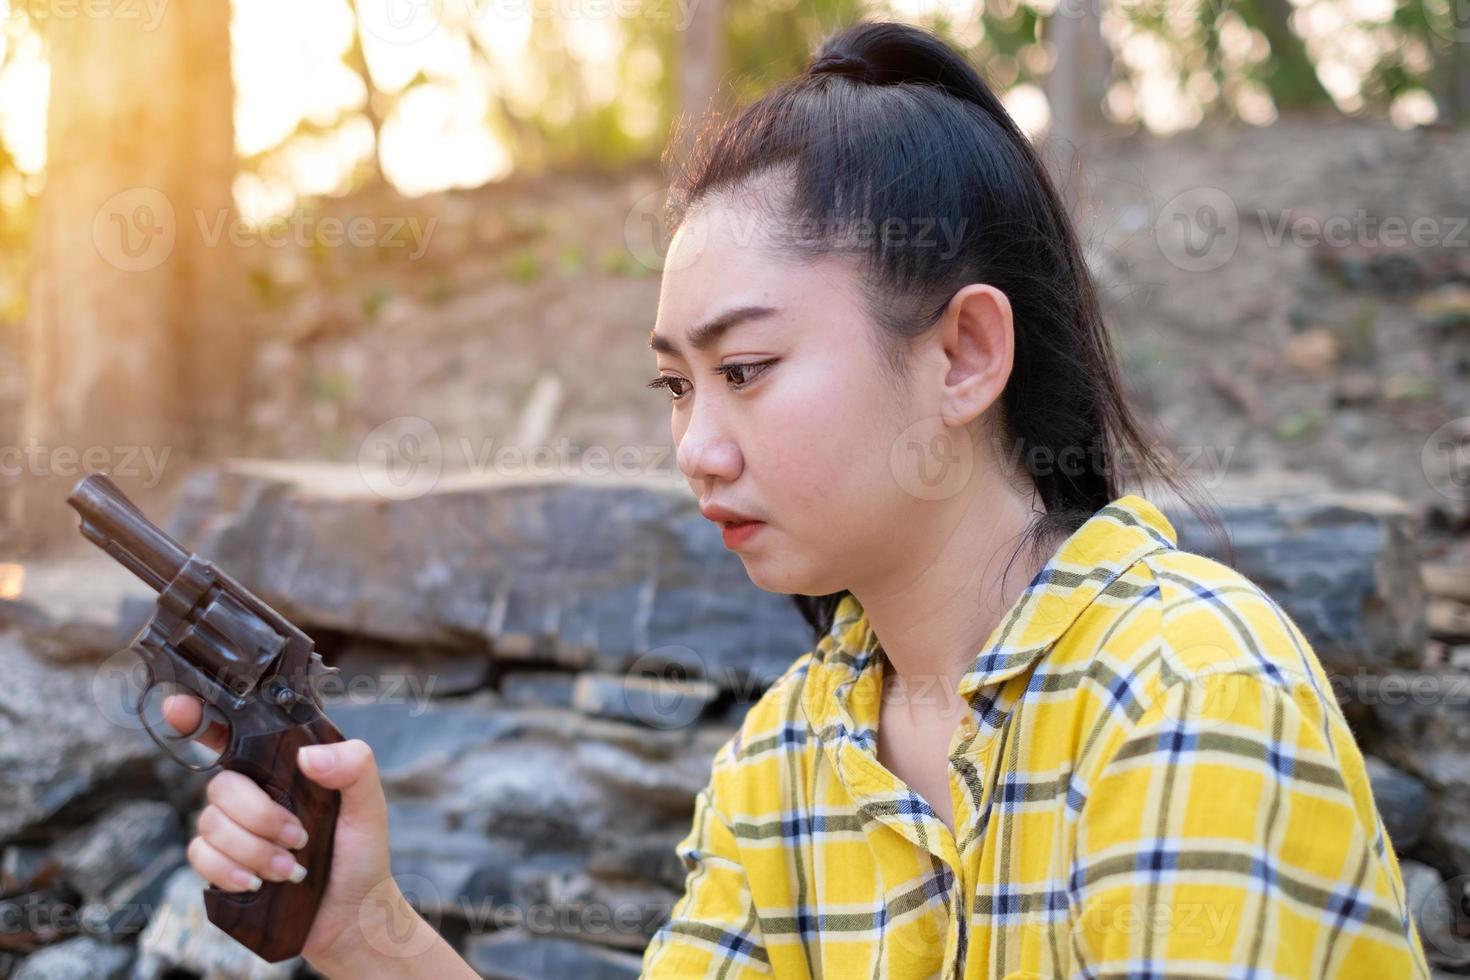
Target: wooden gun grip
point(275, 920)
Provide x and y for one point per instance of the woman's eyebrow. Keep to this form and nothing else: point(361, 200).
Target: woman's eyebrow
point(707, 334)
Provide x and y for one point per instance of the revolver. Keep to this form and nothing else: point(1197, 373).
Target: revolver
point(256, 674)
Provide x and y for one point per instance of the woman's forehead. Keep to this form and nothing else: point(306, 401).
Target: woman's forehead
point(804, 295)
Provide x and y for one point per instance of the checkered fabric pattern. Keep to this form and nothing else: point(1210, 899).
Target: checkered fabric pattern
point(1154, 779)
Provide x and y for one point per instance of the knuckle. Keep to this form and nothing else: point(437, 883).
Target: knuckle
point(241, 799)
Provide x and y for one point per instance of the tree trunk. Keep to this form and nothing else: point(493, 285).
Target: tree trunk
point(1075, 89)
point(1292, 78)
point(701, 64)
point(135, 346)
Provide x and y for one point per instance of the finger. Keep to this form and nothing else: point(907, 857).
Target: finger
point(268, 860)
point(182, 712)
point(219, 870)
point(249, 806)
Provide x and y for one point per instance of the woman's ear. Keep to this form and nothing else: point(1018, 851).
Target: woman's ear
point(977, 336)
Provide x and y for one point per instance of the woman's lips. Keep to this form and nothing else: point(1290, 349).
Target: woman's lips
point(738, 533)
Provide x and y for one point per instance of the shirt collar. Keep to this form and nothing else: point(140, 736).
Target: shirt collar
point(1085, 564)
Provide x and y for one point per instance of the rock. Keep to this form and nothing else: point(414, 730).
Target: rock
point(1343, 565)
point(1433, 903)
point(522, 956)
point(83, 958)
point(560, 571)
point(24, 867)
point(569, 902)
point(379, 671)
point(1422, 722)
point(650, 701)
point(547, 688)
point(1402, 801)
point(39, 917)
point(1419, 722)
point(125, 841)
point(128, 905)
point(447, 871)
point(69, 608)
point(412, 741)
point(65, 741)
point(651, 857)
point(181, 937)
point(525, 781)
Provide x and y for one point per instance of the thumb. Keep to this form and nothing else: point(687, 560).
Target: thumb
point(350, 767)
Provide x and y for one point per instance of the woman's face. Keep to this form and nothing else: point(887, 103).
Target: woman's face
point(798, 430)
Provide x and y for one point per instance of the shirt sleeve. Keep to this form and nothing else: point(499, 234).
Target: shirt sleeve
point(713, 929)
point(1232, 828)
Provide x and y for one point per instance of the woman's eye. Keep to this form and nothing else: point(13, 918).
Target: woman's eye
point(743, 374)
point(670, 382)
point(737, 375)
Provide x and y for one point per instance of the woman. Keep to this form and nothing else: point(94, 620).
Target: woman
point(1033, 737)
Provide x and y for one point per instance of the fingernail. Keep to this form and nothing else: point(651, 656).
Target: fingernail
point(294, 836)
point(287, 868)
point(319, 758)
point(245, 878)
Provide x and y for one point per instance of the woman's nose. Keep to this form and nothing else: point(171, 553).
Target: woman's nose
point(705, 452)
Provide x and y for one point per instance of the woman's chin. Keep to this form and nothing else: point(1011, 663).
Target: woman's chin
point(768, 573)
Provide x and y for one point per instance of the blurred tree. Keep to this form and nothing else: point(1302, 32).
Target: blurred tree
point(1290, 74)
point(371, 96)
point(700, 65)
point(1075, 86)
point(134, 340)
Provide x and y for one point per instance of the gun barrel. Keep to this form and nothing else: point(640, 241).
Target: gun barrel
point(110, 521)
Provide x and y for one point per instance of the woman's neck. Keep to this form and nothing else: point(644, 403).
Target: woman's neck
point(932, 614)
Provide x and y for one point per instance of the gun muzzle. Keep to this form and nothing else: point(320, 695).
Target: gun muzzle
point(110, 521)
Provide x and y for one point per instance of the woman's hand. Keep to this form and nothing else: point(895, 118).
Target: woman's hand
point(245, 837)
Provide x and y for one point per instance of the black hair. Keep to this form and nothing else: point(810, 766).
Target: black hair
point(889, 123)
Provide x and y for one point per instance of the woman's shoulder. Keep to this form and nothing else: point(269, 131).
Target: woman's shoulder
point(1214, 621)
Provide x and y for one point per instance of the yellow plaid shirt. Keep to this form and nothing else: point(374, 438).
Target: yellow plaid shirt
point(1154, 779)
